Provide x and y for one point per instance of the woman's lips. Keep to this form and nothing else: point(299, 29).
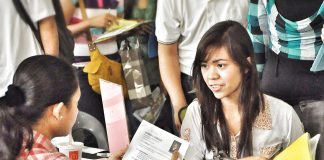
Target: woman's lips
point(216, 87)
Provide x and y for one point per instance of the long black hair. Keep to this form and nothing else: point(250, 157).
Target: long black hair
point(39, 81)
point(234, 37)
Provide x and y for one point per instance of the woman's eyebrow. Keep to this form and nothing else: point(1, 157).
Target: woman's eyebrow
point(217, 60)
point(214, 61)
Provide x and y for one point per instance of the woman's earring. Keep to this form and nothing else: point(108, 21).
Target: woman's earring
point(246, 71)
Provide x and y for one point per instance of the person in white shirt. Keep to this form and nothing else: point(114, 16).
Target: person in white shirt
point(231, 117)
point(180, 25)
point(18, 41)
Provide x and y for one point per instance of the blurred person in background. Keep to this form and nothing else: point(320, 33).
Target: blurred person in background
point(286, 37)
point(18, 40)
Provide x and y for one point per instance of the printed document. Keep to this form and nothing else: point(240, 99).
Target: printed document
point(152, 143)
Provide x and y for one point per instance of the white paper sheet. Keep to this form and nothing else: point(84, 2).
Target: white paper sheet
point(153, 143)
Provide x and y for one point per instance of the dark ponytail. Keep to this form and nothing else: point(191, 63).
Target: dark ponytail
point(39, 81)
point(9, 138)
point(11, 133)
point(14, 96)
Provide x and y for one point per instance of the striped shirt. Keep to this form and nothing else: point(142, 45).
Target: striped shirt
point(299, 40)
point(42, 149)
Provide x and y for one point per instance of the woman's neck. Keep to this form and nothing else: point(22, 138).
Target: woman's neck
point(230, 105)
point(232, 115)
point(231, 109)
point(41, 127)
point(231, 102)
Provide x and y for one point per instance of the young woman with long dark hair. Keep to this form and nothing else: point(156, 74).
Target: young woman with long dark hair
point(231, 117)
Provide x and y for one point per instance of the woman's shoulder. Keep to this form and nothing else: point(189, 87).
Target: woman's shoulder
point(194, 107)
point(192, 117)
point(284, 119)
point(42, 149)
point(276, 102)
point(279, 107)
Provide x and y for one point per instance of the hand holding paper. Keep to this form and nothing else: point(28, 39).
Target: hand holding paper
point(121, 23)
point(175, 155)
point(118, 28)
point(118, 155)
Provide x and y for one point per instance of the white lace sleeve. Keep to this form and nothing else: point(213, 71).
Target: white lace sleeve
point(191, 131)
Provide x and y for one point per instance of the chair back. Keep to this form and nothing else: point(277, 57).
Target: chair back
point(89, 123)
point(182, 113)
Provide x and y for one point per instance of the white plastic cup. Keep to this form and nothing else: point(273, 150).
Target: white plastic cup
point(72, 151)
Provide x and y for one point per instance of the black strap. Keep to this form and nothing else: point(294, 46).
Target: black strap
point(59, 15)
point(25, 17)
point(85, 17)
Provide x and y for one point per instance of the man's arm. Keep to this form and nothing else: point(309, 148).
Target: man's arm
point(170, 75)
point(49, 35)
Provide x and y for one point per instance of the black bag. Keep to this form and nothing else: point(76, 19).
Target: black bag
point(66, 39)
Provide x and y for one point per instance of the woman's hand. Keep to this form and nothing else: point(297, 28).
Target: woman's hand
point(175, 155)
point(103, 21)
point(118, 155)
point(144, 29)
point(147, 28)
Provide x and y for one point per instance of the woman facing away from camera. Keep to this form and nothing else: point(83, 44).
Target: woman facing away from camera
point(231, 117)
point(39, 105)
